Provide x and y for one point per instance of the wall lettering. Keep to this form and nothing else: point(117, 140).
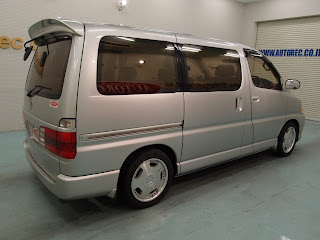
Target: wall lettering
point(16, 43)
point(4, 42)
point(309, 52)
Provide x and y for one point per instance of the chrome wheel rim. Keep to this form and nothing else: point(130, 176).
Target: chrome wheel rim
point(289, 139)
point(149, 180)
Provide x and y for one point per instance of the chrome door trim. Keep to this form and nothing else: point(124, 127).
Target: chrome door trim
point(129, 132)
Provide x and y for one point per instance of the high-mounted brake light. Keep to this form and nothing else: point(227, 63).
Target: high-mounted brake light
point(62, 144)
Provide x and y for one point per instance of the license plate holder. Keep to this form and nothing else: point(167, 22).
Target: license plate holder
point(33, 132)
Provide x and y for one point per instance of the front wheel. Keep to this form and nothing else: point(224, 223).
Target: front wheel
point(147, 178)
point(287, 139)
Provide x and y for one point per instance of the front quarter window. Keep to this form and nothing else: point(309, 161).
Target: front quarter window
point(263, 73)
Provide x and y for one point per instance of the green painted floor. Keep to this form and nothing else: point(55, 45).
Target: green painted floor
point(254, 198)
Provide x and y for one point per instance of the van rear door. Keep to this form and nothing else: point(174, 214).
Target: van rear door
point(51, 89)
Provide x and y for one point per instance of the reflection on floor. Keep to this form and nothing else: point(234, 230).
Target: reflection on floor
point(257, 197)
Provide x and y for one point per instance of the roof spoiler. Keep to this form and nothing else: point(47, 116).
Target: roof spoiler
point(48, 26)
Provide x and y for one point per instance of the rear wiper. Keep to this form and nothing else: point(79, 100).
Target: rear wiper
point(28, 50)
point(31, 93)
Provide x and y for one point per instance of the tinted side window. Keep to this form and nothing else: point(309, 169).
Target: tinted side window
point(212, 69)
point(135, 66)
point(263, 75)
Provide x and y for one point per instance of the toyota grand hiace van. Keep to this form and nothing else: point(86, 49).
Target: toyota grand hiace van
point(120, 111)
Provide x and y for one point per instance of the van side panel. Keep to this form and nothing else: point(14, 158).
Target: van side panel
point(120, 124)
point(215, 121)
point(268, 102)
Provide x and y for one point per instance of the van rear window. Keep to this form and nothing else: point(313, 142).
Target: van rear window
point(135, 66)
point(49, 72)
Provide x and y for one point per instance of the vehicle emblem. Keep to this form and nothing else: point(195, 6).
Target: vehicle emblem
point(54, 104)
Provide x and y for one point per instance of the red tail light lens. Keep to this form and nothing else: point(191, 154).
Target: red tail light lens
point(62, 144)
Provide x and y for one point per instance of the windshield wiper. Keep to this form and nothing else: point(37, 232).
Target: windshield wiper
point(31, 93)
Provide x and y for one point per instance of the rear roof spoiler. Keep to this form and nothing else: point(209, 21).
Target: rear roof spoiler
point(48, 26)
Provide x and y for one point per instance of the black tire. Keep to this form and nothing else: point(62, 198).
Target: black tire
point(134, 170)
point(283, 150)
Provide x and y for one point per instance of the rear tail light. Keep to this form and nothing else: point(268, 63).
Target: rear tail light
point(62, 144)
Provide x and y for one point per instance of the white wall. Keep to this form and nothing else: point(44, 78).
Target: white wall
point(274, 10)
point(214, 18)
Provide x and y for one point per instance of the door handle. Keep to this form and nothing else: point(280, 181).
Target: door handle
point(255, 99)
point(239, 104)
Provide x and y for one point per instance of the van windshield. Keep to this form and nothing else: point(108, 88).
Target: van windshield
point(48, 67)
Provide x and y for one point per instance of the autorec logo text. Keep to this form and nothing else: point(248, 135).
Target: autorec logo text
point(308, 52)
point(15, 43)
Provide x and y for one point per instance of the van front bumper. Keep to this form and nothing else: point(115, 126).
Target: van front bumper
point(68, 188)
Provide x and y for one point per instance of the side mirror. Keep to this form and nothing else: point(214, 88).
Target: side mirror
point(27, 52)
point(292, 84)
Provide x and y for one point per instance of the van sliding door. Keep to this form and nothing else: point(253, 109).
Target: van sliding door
point(215, 106)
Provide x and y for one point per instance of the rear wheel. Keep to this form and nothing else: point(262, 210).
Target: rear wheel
point(147, 178)
point(287, 139)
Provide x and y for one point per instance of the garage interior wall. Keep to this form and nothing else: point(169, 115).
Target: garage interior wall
point(279, 17)
point(214, 18)
point(268, 10)
point(302, 34)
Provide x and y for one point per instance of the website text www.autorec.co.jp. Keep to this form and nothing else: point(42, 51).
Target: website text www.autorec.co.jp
point(308, 52)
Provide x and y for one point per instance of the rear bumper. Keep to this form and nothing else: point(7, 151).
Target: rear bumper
point(68, 188)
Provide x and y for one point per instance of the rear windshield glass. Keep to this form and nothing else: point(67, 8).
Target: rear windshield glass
point(48, 72)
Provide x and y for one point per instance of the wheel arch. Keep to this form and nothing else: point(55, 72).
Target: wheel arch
point(295, 122)
point(164, 148)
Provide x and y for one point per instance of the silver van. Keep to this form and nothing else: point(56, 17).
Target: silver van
point(120, 111)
